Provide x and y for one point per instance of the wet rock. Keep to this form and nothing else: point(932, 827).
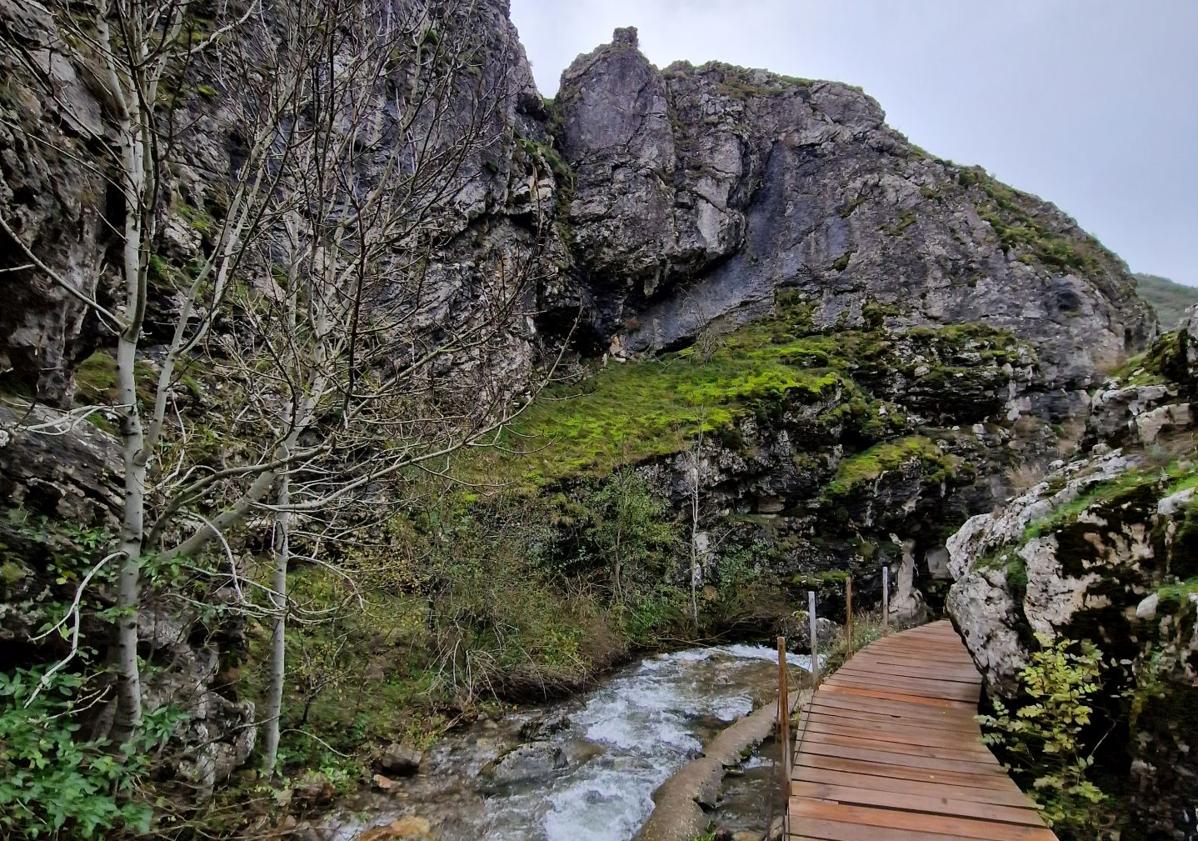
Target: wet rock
point(1147, 608)
point(544, 726)
point(1150, 425)
point(400, 760)
point(578, 751)
point(1101, 551)
point(313, 790)
point(533, 761)
point(727, 184)
point(797, 631)
point(382, 783)
point(410, 828)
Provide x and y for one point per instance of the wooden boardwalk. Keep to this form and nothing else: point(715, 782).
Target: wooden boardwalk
point(889, 751)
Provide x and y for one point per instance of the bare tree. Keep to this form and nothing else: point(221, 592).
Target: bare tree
point(314, 304)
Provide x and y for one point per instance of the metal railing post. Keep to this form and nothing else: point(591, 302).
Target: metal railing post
point(848, 612)
point(885, 598)
point(815, 670)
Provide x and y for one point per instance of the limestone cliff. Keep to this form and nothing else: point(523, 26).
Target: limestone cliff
point(1104, 548)
point(701, 192)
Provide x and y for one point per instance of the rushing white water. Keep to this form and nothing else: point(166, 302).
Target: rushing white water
point(649, 722)
point(594, 773)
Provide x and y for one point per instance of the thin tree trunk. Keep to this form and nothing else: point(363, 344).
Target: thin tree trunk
point(128, 714)
point(278, 641)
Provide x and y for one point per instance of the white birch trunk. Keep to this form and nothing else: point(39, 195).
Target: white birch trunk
point(278, 640)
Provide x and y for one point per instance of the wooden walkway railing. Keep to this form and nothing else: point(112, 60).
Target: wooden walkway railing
point(889, 751)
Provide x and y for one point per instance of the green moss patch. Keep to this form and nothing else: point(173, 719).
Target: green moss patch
point(625, 413)
point(96, 380)
point(1016, 220)
point(865, 467)
point(1178, 592)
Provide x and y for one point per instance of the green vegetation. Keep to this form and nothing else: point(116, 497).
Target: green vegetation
point(96, 380)
point(628, 412)
point(1015, 219)
point(1043, 738)
point(467, 606)
point(1175, 477)
point(739, 82)
point(1168, 298)
point(635, 411)
point(1178, 592)
point(197, 217)
point(54, 782)
point(865, 467)
point(1098, 493)
point(905, 220)
point(550, 159)
point(1164, 361)
point(867, 628)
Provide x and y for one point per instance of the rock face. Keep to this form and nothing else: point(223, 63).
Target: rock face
point(1105, 549)
point(701, 192)
point(688, 198)
point(51, 200)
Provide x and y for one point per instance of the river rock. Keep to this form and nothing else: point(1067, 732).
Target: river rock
point(409, 828)
point(797, 631)
point(533, 761)
point(313, 790)
point(400, 760)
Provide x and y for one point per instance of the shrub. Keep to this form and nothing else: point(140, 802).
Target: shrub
point(53, 782)
point(1044, 737)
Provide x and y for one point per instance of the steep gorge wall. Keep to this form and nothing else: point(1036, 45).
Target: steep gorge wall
point(684, 198)
point(1105, 549)
point(701, 192)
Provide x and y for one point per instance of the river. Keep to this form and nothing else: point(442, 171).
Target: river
point(585, 769)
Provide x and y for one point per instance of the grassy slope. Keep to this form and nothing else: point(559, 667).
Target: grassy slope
point(629, 412)
point(1167, 298)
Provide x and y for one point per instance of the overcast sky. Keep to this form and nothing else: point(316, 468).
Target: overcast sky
point(1092, 104)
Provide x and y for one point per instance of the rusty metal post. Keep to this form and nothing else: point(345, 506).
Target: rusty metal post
point(848, 612)
point(784, 718)
point(814, 639)
point(886, 598)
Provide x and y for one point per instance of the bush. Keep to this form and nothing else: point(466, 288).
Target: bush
point(1044, 738)
point(54, 783)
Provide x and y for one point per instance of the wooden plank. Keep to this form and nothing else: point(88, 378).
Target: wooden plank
point(928, 801)
point(908, 736)
point(1000, 797)
point(820, 830)
point(900, 728)
point(906, 772)
point(868, 740)
point(921, 662)
point(915, 821)
point(873, 665)
point(823, 747)
point(923, 687)
point(885, 695)
point(888, 715)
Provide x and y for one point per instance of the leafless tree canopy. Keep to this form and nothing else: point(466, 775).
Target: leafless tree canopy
point(331, 167)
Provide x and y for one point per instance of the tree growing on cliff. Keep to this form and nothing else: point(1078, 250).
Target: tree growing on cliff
point(353, 127)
